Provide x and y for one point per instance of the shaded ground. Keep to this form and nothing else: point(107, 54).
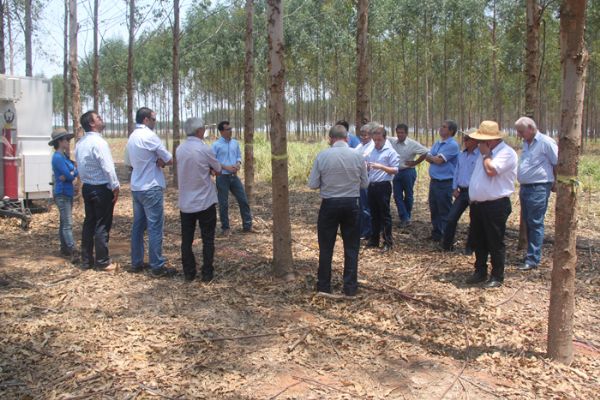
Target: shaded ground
point(415, 330)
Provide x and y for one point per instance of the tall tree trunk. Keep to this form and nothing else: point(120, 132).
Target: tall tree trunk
point(2, 50)
point(75, 95)
point(497, 90)
point(11, 47)
point(282, 231)
point(96, 70)
point(574, 60)
point(130, 56)
point(176, 89)
point(362, 69)
point(249, 102)
point(28, 41)
point(66, 68)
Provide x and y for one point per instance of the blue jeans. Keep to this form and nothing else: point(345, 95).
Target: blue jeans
point(230, 182)
point(440, 201)
point(404, 182)
point(148, 215)
point(65, 229)
point(534, 203)
point(461, 203)
point(365, 214)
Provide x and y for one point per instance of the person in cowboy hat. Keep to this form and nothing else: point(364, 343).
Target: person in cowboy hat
point(65, 173)
point(490, 187)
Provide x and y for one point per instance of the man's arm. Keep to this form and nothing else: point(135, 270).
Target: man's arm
point(314, 179)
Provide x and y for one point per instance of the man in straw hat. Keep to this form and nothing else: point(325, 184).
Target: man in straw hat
point(490, 187)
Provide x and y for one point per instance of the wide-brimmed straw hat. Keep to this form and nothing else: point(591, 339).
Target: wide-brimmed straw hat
point(58, 134)
point(488, 130)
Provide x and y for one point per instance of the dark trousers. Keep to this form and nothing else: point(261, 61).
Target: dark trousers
point(98, 201)
point(488, 225)
point(365, 214)
point(456, 211)
point(343, 213)
point(404, 183)
point(379, 203)
point(440, 201)
point(207, 221)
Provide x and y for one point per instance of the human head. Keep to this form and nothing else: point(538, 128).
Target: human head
point(470, 143)
point(225, 129)
point(401, 132)
point(60, 139)
point(448, 129)
point(379, 136)
point(344, 123)
point(146, 116)
point(337, 133)
point(526, 128)
point(91, 122)
point(194, 127)
point(364, 133)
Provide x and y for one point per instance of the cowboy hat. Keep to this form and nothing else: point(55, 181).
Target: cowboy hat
point(488, 130)
point(60, 133)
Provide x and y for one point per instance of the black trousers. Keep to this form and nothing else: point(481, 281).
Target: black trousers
point(343, 213)
point(98, 202)
point(207, 221)
point(381, 217)
point(461, 203)
point(488, 225)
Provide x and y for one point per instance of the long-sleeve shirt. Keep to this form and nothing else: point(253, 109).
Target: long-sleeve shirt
point(464, 168)
point(538, 160)
point(338, 171)
point(144, 148)
point(228, 152)
point(407, 150)
point(448, 149)
point(95, 162)
point(483, 187)
point(386, 156)
point(63, 166)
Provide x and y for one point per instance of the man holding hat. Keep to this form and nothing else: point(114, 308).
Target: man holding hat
point(196, 162)
point(490, 187)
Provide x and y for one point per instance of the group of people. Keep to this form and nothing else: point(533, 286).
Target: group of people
point(356, 186)
point(146, 155)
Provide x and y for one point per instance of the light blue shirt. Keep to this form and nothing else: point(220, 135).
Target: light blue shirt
point(353, 140)
point(464, 168)
point(228, 152)
point(144, 148)
point(538, 159)
point(94, 161)
point(448, 149)
point(386, 156)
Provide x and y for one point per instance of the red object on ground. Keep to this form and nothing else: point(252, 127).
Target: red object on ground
point(11, 173)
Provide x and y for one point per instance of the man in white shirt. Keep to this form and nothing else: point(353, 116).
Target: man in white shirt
point(147, 157)
point(196, 162)
point(490, 187)
point(365, 148)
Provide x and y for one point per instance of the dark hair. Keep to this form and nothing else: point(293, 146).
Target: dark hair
point(142, 114)
point(87, 119)
point(452, 126)
point(343, 123)
point(402, 126)
point(55, 144)
point(221, 126)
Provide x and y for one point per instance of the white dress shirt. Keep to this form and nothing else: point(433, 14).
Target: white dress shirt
point(486, 188)
point(407, 150)
point(94, 161)
point(197, 191)
point(365, 149)
point(144, 148)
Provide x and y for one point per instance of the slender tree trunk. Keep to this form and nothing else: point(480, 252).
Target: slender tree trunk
point(497, 92)
point(363, 114)
point(2, 50)
point(66, 68)
point(249, 102)
point(96, 70)
point(574, 60)
point(11, 48)
point(130, 59)
point(75, 95)
point(282, 234)
point(176, 41)
point(28, 42)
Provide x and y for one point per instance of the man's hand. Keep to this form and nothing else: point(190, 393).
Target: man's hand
point(456, 193)
point(484, 148)
point(160, 163)
point(410, 163)
point(553, 189)
point(375, 165)
point(115, 195)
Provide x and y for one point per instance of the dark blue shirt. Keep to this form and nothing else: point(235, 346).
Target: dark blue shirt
point(353, 140)
point(62, 166)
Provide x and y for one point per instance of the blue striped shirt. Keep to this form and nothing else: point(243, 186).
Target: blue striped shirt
point(95, 162)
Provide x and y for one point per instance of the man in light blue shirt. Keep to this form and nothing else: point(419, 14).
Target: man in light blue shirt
point(536, 178)
point(147, 157)
point(227, 151)
point(442, 157)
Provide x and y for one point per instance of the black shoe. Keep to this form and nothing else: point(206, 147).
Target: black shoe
point(386, 248)
point(207, 277)
point(372, 245)
point(404, 224)
point(164, 271)
point(526, 267)
point(85, 267)
point(350, 293)
point(475, 278)
point(468, 251)
point(189, 278)
point(492, 283)
point(435, 239)
point(448, 248)
point(136, 269)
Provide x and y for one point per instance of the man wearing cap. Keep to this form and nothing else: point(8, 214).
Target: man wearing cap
point(339, 173)
point(442, 158)
point(100, 191)
point(365, 148)
point(147, 157)
point(382, 165)
point(460, 186)
point(404, 180)
point(490, 187)
point(196, 162)
point(536, 176)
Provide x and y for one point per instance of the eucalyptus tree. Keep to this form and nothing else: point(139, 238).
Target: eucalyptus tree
point(73, 61)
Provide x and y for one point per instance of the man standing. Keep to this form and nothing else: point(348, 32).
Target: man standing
point(100, 191)
point(460, 186)
point(382, 165)
point(339, 173)
point(536, 177)
point(196, 162)
point(365, 148)
point(147, 157)
point(229, 155)
point(353, 140)
point(404, 180)
point(442, 158)
point(490, 187)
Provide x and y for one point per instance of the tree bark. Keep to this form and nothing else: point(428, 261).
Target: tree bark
point(66, 68)
point(176, 42)
point(574, 60)
point(75, 95)
point(532, 60)
point(28, 42)
point(249, 102)
point(130, 59)
point(363, 114)
point(96, 68)
point(282, 236)
point(2, 49)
